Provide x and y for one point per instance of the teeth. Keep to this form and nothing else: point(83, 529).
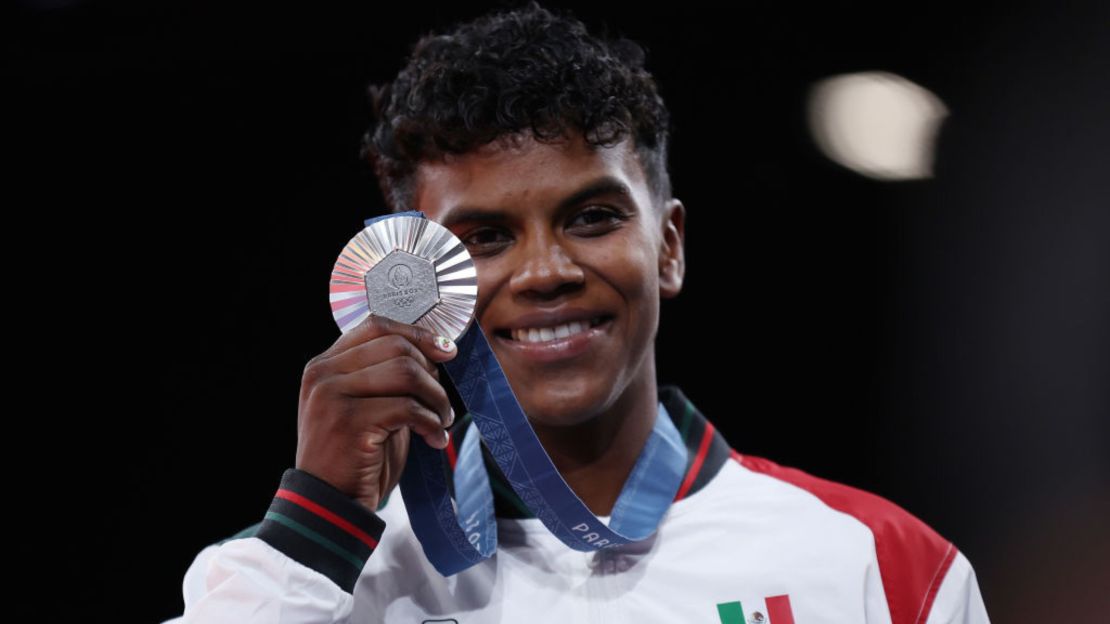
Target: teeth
point(545, 334)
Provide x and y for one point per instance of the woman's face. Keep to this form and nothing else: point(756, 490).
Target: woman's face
point(572, 259)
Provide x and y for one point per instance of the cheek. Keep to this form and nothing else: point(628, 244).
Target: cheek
point(492, 276)
point(630, 264)
point(485, 295)
point(633, 272)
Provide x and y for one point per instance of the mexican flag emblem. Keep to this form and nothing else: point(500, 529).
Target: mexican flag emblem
point(770, 610)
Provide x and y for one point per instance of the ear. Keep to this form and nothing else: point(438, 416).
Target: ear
point(672, 258)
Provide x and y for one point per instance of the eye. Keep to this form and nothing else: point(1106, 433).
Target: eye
point(597, 218)
point(485, 241)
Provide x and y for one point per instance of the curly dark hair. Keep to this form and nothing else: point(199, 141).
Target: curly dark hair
point(504, 74)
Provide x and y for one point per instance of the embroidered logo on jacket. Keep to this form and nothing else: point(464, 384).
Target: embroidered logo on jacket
point(770, 610)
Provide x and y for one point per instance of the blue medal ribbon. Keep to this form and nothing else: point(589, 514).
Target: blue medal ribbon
point(458, 534)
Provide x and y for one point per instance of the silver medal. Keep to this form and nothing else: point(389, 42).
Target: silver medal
point(409, 269)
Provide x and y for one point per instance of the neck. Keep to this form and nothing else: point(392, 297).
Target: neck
point(597, 456)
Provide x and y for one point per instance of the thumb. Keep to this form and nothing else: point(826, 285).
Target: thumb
point(445, 348)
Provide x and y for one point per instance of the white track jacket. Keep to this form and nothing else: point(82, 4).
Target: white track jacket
point(745, 542)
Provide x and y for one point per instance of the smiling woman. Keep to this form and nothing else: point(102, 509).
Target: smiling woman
point(544, 150)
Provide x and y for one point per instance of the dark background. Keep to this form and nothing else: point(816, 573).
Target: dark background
point(183, 175)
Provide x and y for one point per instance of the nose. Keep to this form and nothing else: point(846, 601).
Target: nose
point(546, 270)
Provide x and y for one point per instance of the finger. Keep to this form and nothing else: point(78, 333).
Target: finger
point(376, 351)
point(394, 414)
point(438, 348)
point(397, 377)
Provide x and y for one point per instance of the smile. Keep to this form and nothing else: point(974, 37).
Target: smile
point(557, 343)
point(556, 332)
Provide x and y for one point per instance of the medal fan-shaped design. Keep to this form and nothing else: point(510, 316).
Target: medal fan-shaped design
point(456, 277)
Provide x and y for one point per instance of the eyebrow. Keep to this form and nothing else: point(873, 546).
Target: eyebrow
point(607, 185)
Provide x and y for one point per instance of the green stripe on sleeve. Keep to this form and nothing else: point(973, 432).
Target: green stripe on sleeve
point(316, 537)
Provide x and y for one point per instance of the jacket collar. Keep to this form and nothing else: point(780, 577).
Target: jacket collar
point(706, 452)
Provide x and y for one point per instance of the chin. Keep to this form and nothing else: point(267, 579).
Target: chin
point(560, 420)
point(568, 411)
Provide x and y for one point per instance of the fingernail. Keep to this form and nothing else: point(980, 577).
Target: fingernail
point(451, 418)
point(445, 344)
point(446, 440)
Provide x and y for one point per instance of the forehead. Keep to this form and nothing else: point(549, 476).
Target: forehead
point(525, 174)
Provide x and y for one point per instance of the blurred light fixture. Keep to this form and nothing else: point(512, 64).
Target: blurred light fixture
point(878, 124)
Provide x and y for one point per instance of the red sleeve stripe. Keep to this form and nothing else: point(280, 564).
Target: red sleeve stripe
point(293, 497)
point(699, 459)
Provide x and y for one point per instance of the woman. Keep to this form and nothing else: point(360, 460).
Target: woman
point(544, 150)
